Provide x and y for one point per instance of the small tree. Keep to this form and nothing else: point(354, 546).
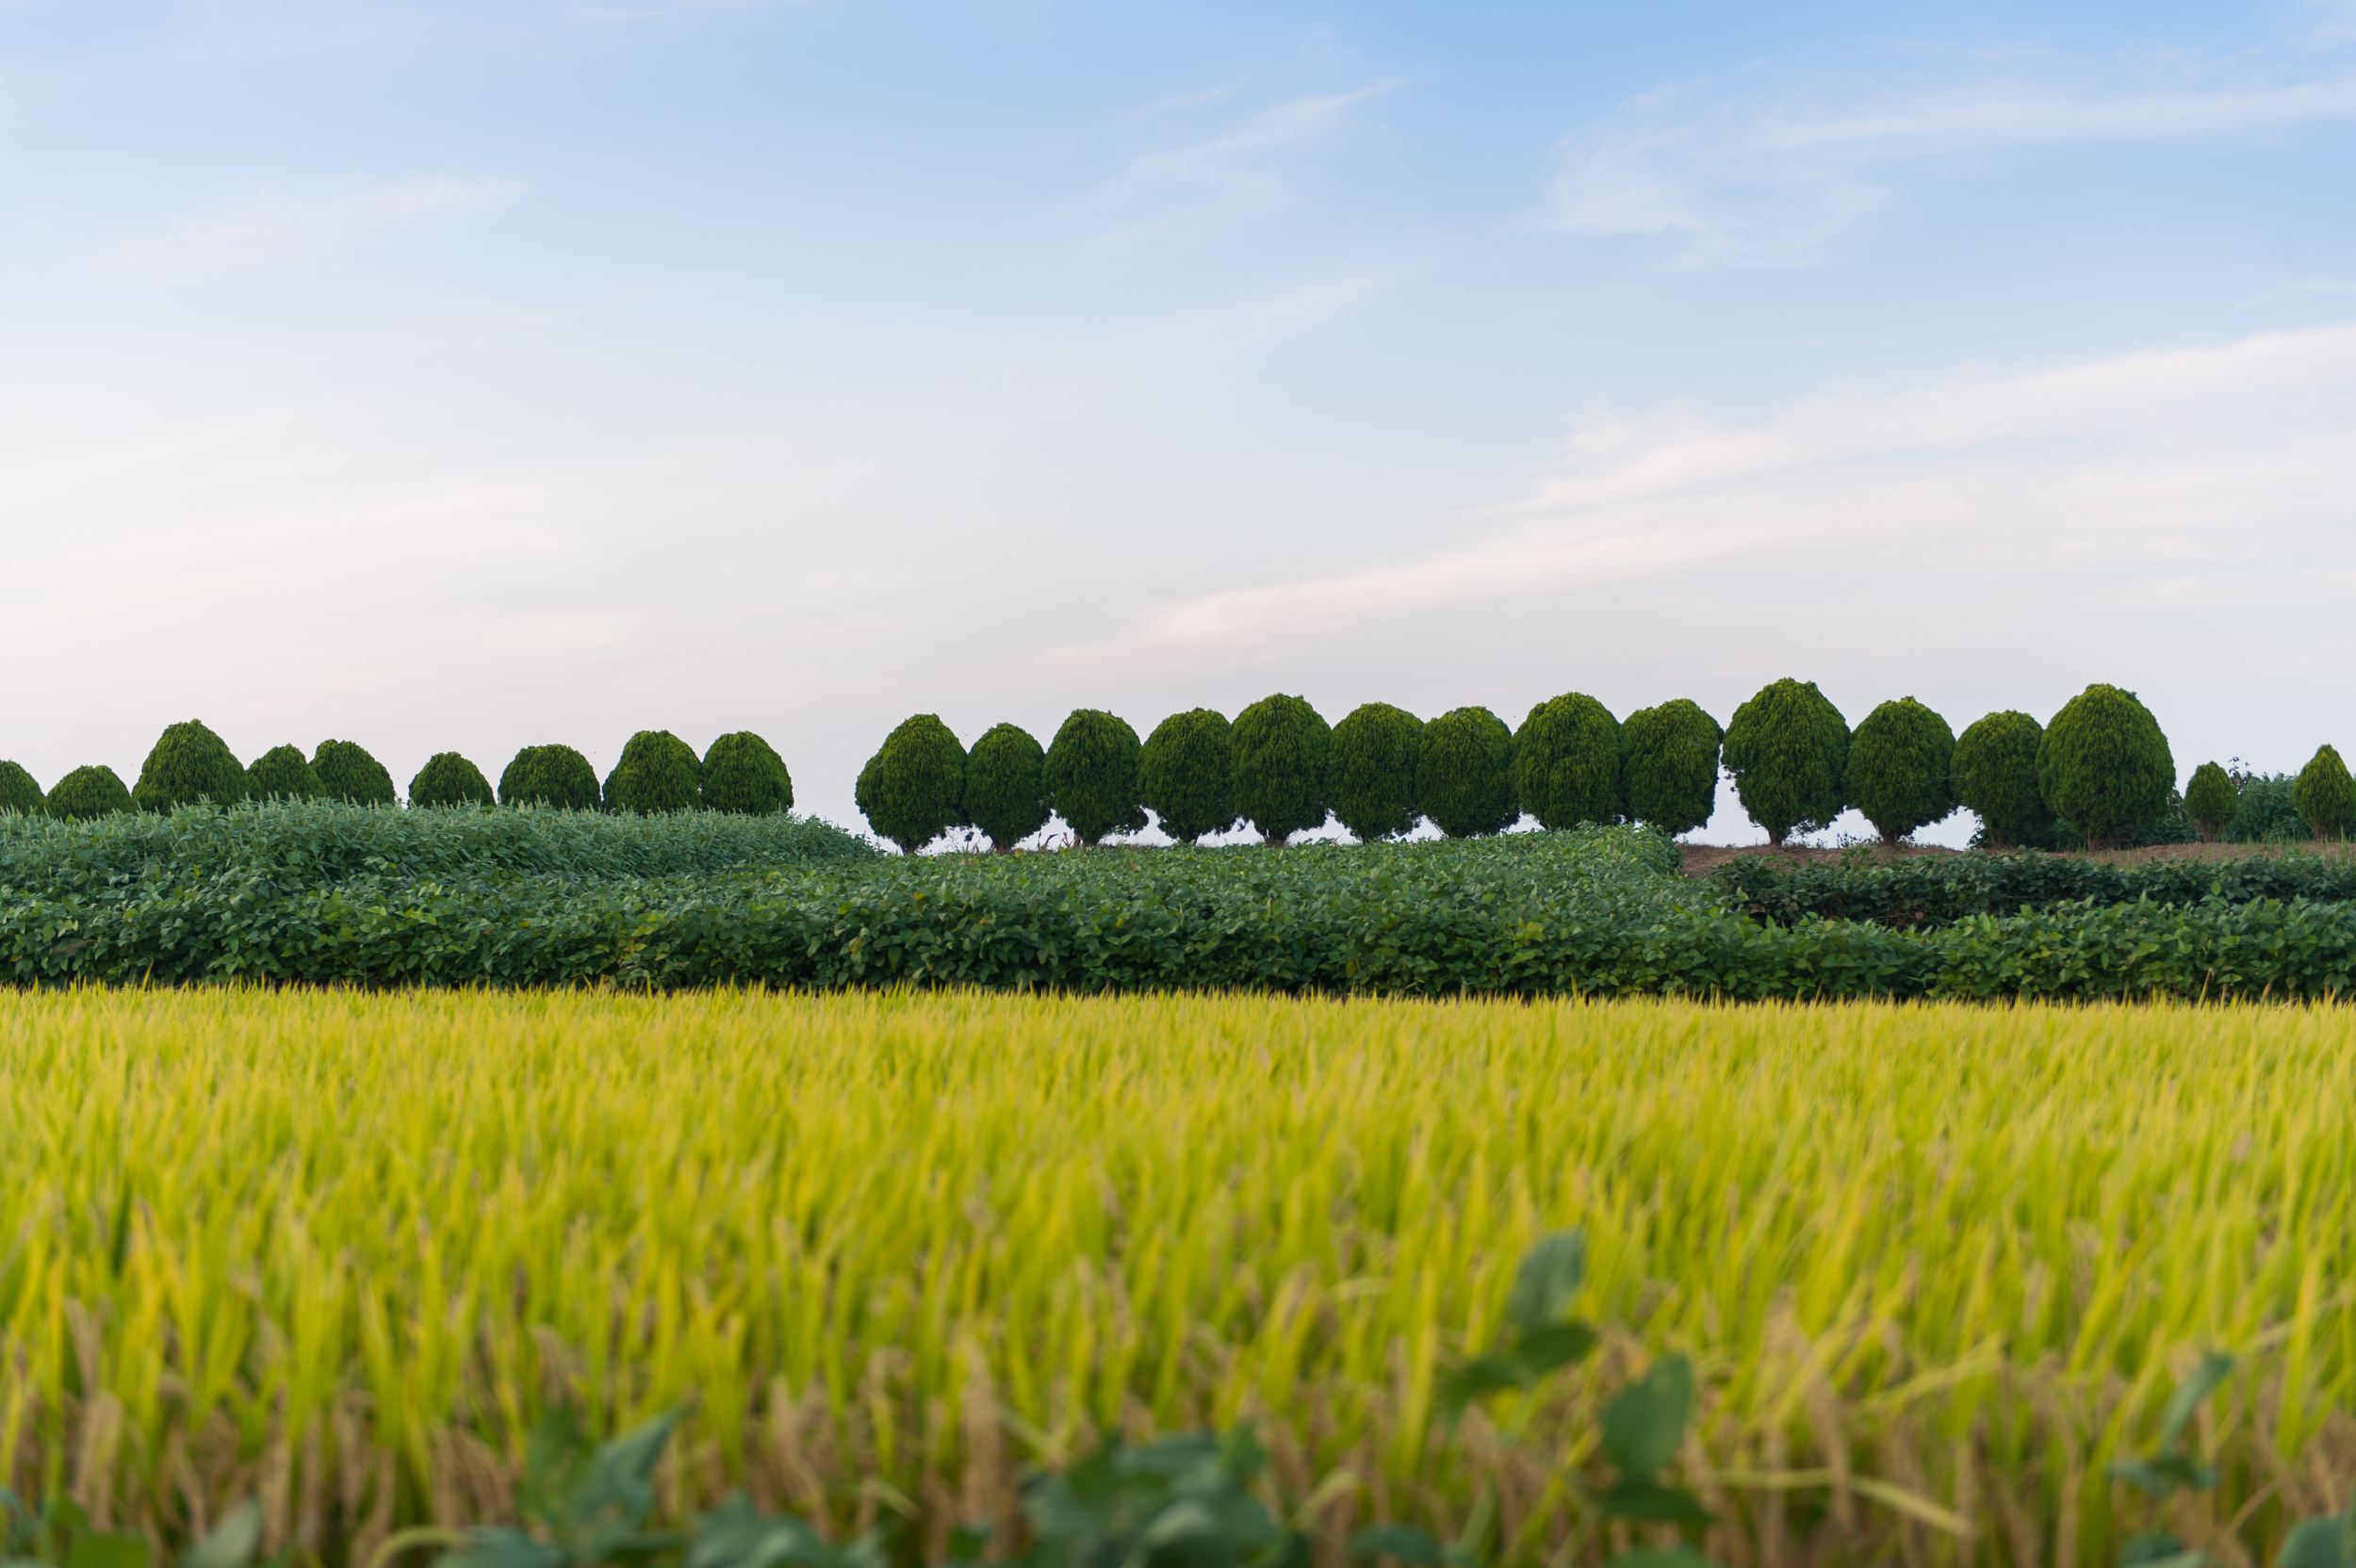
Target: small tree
point(281, 773)
point(1567, 762)
point(1466, 776)
point(913, 790)
point(2325, 795)
point(1187, 774)
point(1092, 775)
point(88, 793)
point(2210, 801)
point(189, 763)
point(1373, 771)
point(1669, 766)
point(18, 793)
point(349, 773)
point(658, 772)
point(743, 773)
point(1283, 766)
point(1995, 770)
point(1787, 749)
point(2103, 764)
point(553, 777)
point(1901, 763)
point(1006, 786)
point(449, 779)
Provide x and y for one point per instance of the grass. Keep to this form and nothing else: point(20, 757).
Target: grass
point(1936, 1265)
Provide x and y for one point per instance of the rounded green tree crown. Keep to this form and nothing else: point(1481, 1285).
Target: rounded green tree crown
point(349, 773)
point(1283, 760)
point(281, 773)
point(1901, 766)
point(88, 793)
point(1465, 776)
point(2103, 765)
point(1187, 774)
point(913, 790)
point(658, 772)
point(449, 779)
point(2210, 799)
point(1567, 762)
point(1787, 749)
point(18, 793)
point(1006, 785)
point(554, 777)
point(1669, 766)
point(189, 763)
point(2325, 795)
point(1372, 780)
point(1996, 780)
point(744, 773)
point(1091, 774)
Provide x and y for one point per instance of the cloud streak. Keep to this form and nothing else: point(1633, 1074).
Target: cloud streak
point(272, 228)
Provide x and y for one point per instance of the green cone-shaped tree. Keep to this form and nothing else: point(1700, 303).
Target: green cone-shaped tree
point(1187, 774)
point(18, 793)
point(1566, 762)
point(1995, 770)
point(449, 779)
point(1006, 786)
point(1901, 765)
point(1787, 749)
point(1092, 775)
point(349, 773)
point(2325, 795)
point(87, 793)
point(1465, 774)
point(1669, 766)
point(913, 790)
point(657, 773)
point(1283, 766)
point(2103, 765)
point(189, 763)
point(1373, 778)
point(2210, 801)
point(281, 773)
point(745, 775)
point(553, 777)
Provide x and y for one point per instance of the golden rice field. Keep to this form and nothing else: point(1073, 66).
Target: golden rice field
point(1936, 1265)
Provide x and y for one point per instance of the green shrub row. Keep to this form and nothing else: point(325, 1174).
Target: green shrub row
point(740, 773)
point(1594, 911)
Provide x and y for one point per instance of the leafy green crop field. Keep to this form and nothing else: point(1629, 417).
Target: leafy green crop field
point(1935, 1266)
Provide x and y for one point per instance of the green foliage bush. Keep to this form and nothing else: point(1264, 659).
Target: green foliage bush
point(189, 763)
point(1567, 763)
point(744, 773)
point(18, 793)
point(2210, 800)
point(1901, 763)
point(350, 775)
point(449, 779)
point(2103, 765)
point(1465, 774)
point(1006, 785)
point(1187, 774)
point(1669, 766)
point(912, 791)
point(1787, 749)
point(553, 776)
point(1995, 768)
point(88, 793)
point(2269, 812)
point(658, 772)
point(1283, 767)
point(1092, 775)
point(281, 773)
point(2325, 795)
point(1372, 778)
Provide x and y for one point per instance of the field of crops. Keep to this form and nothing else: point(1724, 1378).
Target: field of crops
point(1936, 1265)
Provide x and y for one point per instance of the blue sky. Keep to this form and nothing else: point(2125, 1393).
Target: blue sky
point(465, 377)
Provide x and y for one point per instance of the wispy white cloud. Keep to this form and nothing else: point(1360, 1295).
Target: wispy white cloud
point(275, 228)
point(1764, 166)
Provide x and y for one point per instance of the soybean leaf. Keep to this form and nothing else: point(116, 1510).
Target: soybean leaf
point(1550, 1277)
point(1541, 1352)
point(1477, 1380)
point(2196, 1386)
point(1645, 1424)
point(231, 1541)
point(494, 1546)
point(737, 1535)
point(1403, 1542)
point(2162, 1474)
point(2151, 1546)
point(107, 1551)
point(2317, 1543)
point(618, 1481)
point(1635, 1497)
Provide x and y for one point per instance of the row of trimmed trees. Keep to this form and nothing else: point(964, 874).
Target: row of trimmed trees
point(1278, 768)
point(658, 772)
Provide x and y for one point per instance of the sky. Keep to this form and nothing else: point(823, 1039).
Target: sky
point(470, 376)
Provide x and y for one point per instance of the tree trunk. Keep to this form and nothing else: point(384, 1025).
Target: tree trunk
point(1276, 841)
